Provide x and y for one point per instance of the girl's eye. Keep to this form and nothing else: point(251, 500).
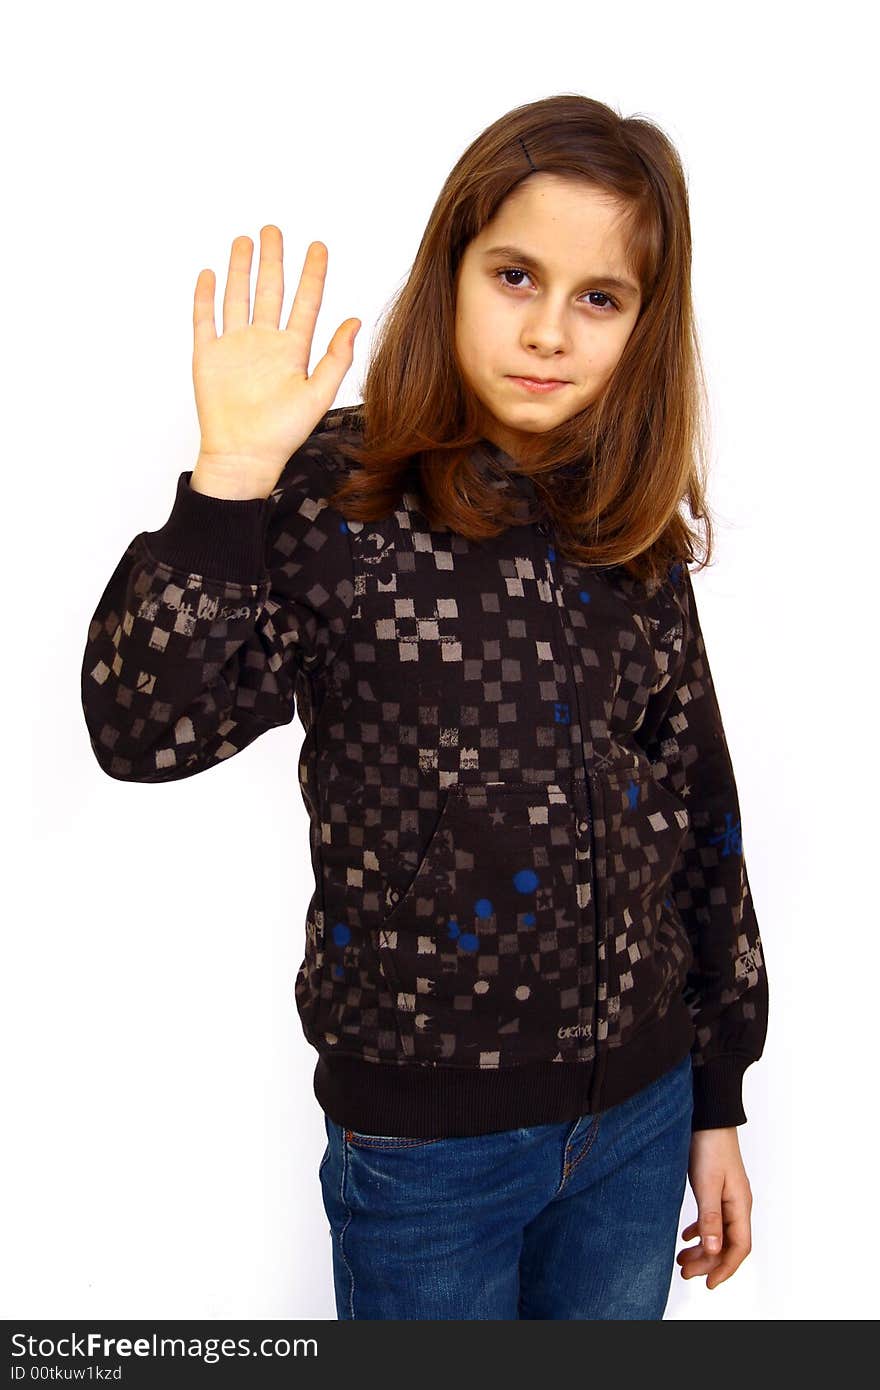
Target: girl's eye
point(517, 270)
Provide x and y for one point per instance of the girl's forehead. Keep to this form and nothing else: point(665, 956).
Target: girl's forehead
point(584, 224)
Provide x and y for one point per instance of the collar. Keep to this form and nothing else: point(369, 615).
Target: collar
point(503, 472)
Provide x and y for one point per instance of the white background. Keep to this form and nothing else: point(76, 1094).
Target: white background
point(163, 1139)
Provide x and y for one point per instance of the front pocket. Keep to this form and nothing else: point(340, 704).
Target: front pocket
point(647, 952)
point(482, 950)
point(384, 1141)
point(645, 827)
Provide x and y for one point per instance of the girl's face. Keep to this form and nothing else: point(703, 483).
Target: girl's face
point(543, 306)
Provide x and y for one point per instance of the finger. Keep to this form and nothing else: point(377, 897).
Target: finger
point(736, 1236)
point(714, 1276)
point(328, 374)
point(237, 296)
point(739, 1204)
point(204, 327)
point(711, 1228)
point(270, 278)
point(727, 1265)
point(306, 305)
point(698, 1261)
point(693, 1230)
point(737, 1240)
point(704, 1250)
point(722, 1272)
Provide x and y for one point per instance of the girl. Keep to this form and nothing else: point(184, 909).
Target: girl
point(533, 973)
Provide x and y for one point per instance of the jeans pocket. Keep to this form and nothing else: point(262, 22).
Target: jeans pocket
point(383, 1141)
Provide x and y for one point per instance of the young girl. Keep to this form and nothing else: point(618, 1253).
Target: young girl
point(533, 973)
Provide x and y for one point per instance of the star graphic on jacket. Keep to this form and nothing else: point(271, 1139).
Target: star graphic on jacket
point(497, 816)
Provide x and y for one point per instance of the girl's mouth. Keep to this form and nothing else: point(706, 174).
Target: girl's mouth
point(540, 387)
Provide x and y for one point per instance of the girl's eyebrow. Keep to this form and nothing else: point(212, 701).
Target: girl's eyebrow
point(517, 254)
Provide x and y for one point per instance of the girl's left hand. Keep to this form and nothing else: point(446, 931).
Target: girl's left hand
point(724, 1203)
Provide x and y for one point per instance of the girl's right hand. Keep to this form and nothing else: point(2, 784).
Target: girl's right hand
point(255, 399)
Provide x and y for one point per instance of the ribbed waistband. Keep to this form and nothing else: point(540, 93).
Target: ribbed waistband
point(436, 1102)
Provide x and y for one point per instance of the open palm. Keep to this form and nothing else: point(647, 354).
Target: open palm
point(255, 399)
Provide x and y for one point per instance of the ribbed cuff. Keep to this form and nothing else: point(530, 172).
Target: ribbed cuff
point(213, 536)
point(718, 1092)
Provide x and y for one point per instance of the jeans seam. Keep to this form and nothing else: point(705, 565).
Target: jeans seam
point(569, 1168)
point(564, 1177)
point(591, 1139)
point(367, 1141)
point(342, 1231)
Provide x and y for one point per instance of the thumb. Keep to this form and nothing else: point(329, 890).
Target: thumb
point(709, 1226)
point(326, 377)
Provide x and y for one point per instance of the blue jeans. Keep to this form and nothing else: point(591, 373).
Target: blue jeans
point(573, 1220)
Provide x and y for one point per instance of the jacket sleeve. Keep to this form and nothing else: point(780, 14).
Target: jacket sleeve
point(726, 987)
point(197, 641)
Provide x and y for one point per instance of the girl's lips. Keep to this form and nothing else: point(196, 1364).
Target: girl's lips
point(540, 387)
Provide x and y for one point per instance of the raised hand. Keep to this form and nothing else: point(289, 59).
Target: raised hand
point(255, 399)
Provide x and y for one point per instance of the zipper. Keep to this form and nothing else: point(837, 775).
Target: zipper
point(599, 1058)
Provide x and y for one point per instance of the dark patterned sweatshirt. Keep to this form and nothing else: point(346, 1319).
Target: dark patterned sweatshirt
point(530, 896)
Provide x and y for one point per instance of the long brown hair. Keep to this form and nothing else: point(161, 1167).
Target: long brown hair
point(612, 477)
